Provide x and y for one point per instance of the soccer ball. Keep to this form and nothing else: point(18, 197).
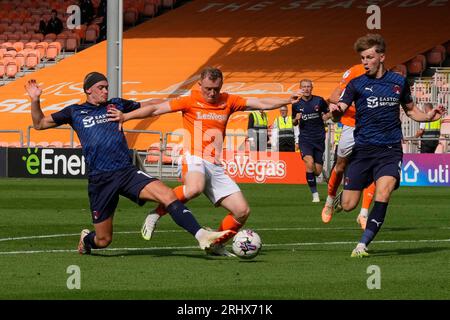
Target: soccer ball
point(246, 244)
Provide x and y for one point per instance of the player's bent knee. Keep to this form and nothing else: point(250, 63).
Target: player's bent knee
point(349, 204)
point(383, 196)
point(241, 215)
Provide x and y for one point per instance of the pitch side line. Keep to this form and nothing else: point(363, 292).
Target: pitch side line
point(196, 247)
point(62, 235)
point(159, 231)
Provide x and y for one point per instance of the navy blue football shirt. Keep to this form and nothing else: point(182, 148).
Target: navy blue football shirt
point(104, 145)
point(311, 123)
point(377, 103)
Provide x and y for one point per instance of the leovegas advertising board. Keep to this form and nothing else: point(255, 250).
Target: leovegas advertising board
point(265, 167)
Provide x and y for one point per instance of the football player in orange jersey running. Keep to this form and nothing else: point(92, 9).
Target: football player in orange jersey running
point(344, 150)
point(205, 116)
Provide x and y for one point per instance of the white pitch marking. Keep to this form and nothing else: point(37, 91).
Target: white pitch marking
point(265, 245)
point(176, 231)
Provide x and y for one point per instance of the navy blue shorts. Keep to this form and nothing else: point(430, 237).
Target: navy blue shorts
point(313, 149)
point(368, 164)
point(104, 190)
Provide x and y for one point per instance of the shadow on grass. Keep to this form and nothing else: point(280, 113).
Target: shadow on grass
point(169, 253)
point(407, 251)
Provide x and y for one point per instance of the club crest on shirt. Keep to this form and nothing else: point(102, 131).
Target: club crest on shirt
point(110, 106)
point(316, 108)
point(396, 89)
point(346, 181)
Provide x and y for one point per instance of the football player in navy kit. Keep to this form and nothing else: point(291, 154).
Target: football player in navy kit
point(377, 154)
point(110, 169)
point(310, 114)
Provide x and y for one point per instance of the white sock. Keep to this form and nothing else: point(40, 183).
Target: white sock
point(200, 233)
point(361, 245)
point(330, 200)
point(364, 212)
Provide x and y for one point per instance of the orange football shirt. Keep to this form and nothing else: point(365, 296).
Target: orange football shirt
point(357, 70)
point(206, 123)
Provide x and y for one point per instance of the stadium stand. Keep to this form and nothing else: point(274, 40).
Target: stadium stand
point(19, 28)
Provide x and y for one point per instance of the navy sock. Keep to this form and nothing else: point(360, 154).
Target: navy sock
point(183, 217)
point(311, 179)
point(89, 240)
point(374, 221)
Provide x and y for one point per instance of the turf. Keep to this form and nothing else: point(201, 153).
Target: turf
point(301, 257)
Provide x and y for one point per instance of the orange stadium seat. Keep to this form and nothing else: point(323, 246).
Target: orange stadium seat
point(130, 16)
point(10, 54)
point(42, 144)
point(25, 38)
point(12, 69)
point(55, 144)
point(414, 67)
point(8, 45)
point(14, 37)
point(2, 69)
point(154, 153)
point(168, 3)
point(91, 35)
point(4, 144)
point(150, 9)
point(15, 144)
point(20, 58)
point(71, 44)
point(37, 36)
point(53, 50)
point(440, 48)
point(42, 48)
point(434, 58)
point(401, 69)
point(18, 46)
point(32, 60)
point(62, 43)
point(30, 45)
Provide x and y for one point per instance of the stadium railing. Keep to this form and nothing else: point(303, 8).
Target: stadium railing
point(155, 169)
point(19, 132)
point(72, 135)
point(411, 144)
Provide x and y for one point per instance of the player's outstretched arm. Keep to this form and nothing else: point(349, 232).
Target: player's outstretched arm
point(271, 103)
point(418, 115)
point(40, 121)
point(147, 109)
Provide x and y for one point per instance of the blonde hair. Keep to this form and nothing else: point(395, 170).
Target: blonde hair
point(306, 80)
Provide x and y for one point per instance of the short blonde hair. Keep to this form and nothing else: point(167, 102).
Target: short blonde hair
point(306, 80)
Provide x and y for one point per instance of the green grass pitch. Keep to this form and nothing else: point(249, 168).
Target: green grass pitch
point(302, 258)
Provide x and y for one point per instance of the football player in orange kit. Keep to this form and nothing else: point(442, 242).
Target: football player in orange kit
point(205, 116)
point(344, 151)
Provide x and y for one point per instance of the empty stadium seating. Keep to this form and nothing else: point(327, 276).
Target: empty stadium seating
point(19, 30)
